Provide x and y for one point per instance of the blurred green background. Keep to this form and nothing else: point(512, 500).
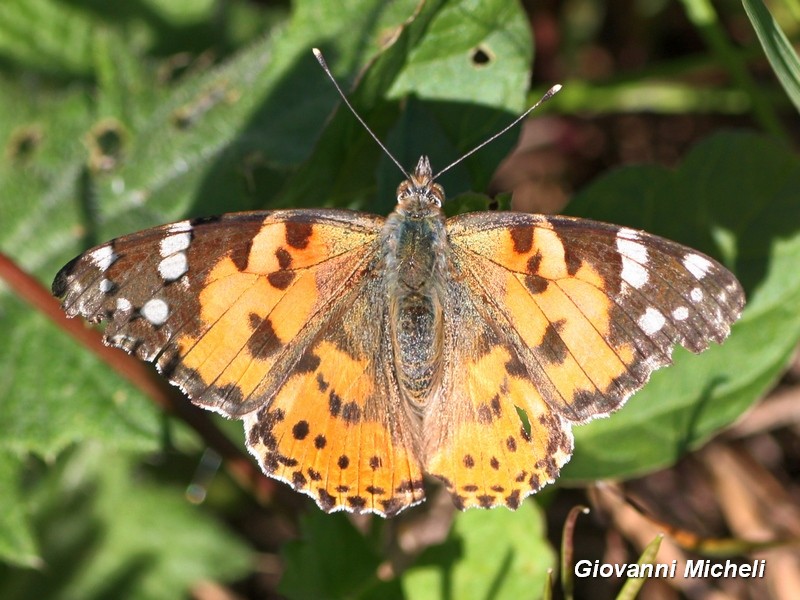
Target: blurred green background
point(676, 117)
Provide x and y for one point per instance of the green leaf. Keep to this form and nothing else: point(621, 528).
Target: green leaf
point(105, 530)
point(779, 50)
point(52, 394)
point(46, 36)
point(471, 72)
point(444, 116)
point(489, 554)
point(735, 197)
point(333, 560)
point(17, 543)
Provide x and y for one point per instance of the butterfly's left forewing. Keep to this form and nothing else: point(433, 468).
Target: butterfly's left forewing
point(592, 309)
point(220, 304)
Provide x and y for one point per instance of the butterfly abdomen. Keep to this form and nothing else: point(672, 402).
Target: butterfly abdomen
point(413, 275)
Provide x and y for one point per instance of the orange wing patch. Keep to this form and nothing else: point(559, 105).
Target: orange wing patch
point(324, 434)
point(253, 306)
point(477, 442)
point(555, 306)
point(337, 429)
point(591, 309)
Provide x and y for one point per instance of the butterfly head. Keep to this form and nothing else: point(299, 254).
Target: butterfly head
point(419, 196)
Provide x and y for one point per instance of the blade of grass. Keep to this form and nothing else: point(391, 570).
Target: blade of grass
point(704, 17)
point(567, 549)
point(547, 593)
point(634, 584)
point(776, 46)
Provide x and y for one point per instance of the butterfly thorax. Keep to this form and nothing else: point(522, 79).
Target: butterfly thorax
point(414, 240)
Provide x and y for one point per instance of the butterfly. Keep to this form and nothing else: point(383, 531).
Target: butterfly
point(363, 353)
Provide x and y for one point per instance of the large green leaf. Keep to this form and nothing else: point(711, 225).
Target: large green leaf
point(496, 554)
point(331, 559)
point(736, 197)
point(104, 530)
point(17, 542)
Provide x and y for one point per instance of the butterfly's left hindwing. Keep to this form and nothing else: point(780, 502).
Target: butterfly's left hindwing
point(339, 429)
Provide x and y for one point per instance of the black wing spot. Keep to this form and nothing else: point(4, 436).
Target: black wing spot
point(300, 430)
point(357, 501)
point(298, 234)
point(334, 404)
point(522, 238)
point(326, 500)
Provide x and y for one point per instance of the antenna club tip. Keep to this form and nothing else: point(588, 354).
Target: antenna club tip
point(555, 89)
point(318, 55)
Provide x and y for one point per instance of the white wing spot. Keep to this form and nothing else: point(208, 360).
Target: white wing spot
point(634, 256)
point(156, 311)
point(103, 257)
point(106, 285)
point(680, 314)
point(696, 295)
point(124, 305)
point(174, 243)
point(632, 249)
point(634, 273)
point(651, 321)
point(173, 267)
point(180, 227)
point(628, 234)
point(697, 265)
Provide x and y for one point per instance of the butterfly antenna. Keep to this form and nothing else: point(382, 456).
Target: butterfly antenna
point(324, 65)
point(549, 94)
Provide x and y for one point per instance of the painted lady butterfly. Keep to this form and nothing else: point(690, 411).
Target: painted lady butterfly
point(363, 353)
